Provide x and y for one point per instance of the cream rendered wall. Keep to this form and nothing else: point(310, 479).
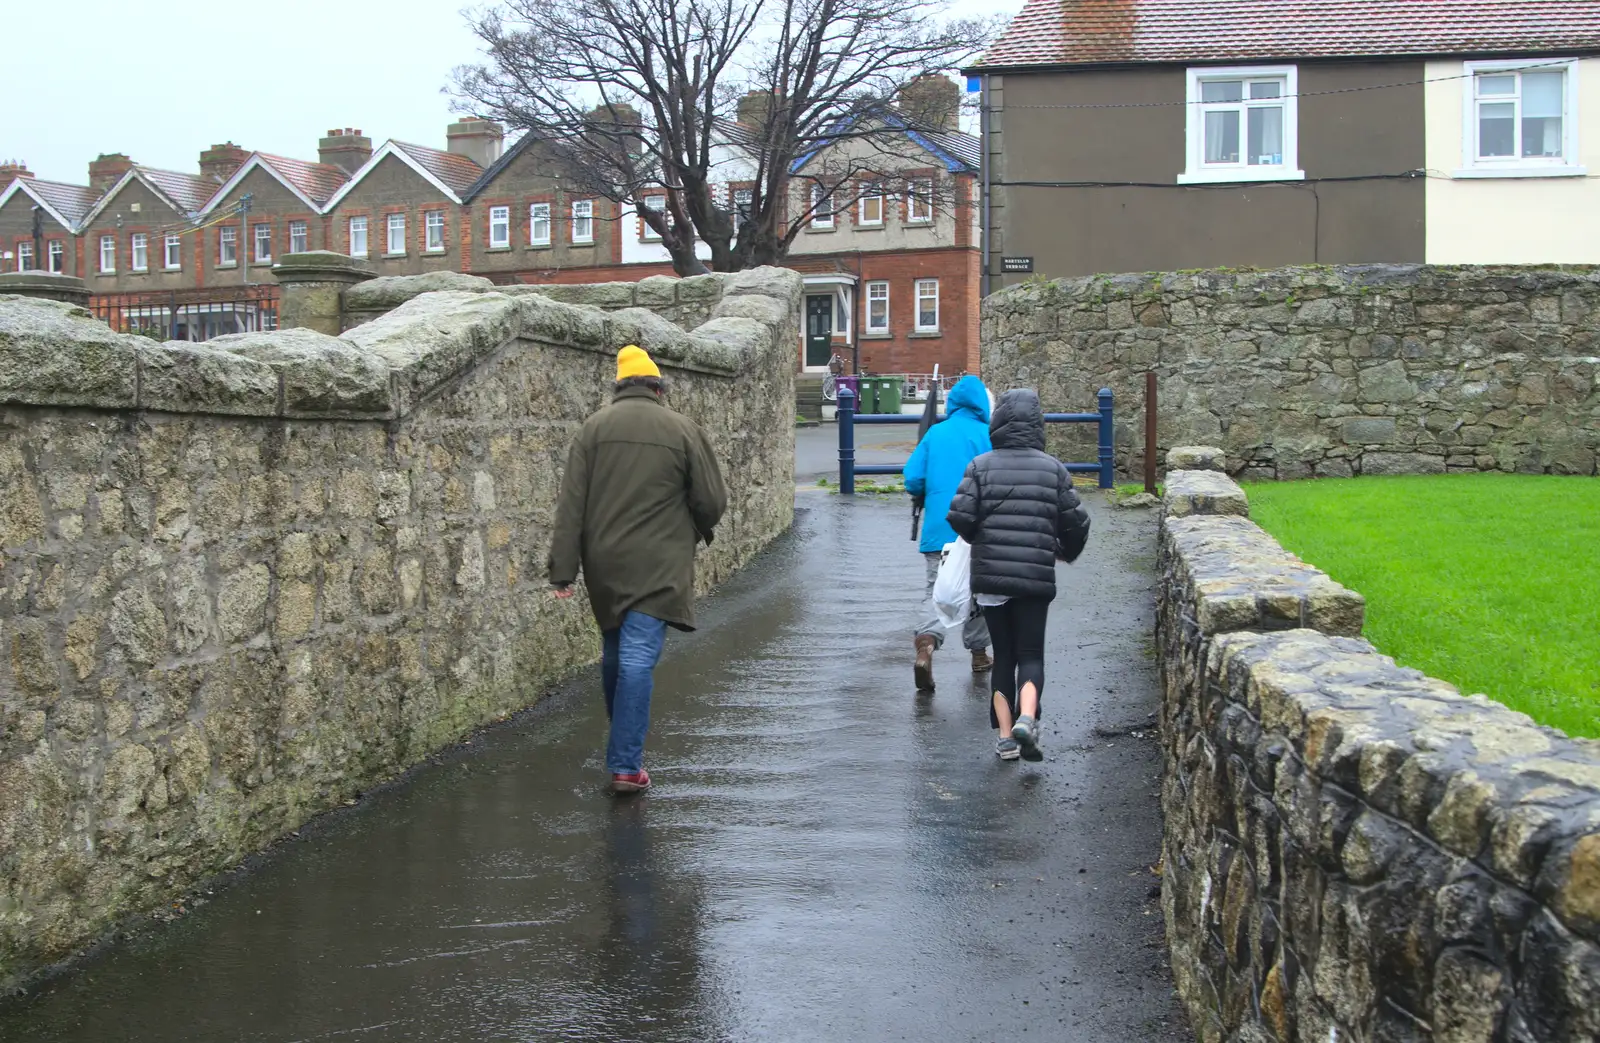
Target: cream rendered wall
point(1509, 220)
point(890, 157)
point(728, 164)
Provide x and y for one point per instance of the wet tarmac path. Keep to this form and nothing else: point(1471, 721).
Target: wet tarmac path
point(825, 857)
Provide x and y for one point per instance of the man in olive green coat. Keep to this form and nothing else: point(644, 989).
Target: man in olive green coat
point(641, 488)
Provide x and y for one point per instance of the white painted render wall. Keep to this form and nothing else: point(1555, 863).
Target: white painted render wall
point(1509, 220)
point(728, 164)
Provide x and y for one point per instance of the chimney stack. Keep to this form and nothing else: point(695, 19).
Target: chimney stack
point(107, 170)
point(220, 162)
point(755, 108)
point(347, 148)
point(12, 169)
point(479, 140)
point(932, 102)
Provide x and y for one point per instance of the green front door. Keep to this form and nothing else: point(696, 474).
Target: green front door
point(819, 330)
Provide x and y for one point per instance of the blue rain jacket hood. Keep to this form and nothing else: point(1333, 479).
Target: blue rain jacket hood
point(935, 470)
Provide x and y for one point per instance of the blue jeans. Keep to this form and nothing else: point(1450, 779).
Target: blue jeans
point(627, 670)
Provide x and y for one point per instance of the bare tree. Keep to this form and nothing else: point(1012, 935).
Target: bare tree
point(638, 99)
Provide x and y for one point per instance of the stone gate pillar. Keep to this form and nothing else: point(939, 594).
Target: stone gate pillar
point(313, 289)
point(67, 288)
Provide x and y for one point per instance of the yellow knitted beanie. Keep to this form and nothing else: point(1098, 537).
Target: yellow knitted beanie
point(633, 362)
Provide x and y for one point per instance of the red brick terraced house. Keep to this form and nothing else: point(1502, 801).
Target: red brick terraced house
point(891, 262)
point(61, 208)
point(403, 209)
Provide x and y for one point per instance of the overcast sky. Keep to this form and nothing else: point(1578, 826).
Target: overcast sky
point(161, 82)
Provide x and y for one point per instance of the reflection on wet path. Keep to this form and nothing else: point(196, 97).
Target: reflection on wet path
point(825, 857)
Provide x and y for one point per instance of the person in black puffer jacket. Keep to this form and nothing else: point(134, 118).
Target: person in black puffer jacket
point(1017, 508)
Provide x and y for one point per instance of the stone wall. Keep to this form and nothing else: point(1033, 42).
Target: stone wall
point(1321, 371)
point(1355, 851)
point(244, 580)
point(684, 302)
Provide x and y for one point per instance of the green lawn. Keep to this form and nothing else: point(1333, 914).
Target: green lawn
point(1490, 582)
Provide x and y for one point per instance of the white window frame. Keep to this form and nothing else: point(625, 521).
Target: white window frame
point(917, 304)
point(822, 197)
point(919, 191)
point(257, 241)
point(870, 191)
point(358, 224)
point(172, 253)
point(25, 249)
point(583, 218)
point(539, 224)
point(1200, 172)
point(389, 229)
point(299, 230)
point(501, 216)
point(55, 252)
point(657, 203)
point(139, 244)
point(433, 231)
point(227, 242)
point(108, 254)
point(877, 290)
point(741, 198)
point(1472, 166)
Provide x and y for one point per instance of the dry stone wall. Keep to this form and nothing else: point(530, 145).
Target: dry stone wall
point(1329, 372)
point(1355, 851)
point(244, 580)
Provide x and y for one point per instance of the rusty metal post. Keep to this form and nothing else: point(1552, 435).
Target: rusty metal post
point(1150, 432)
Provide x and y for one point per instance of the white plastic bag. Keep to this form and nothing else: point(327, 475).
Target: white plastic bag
point(952, 590)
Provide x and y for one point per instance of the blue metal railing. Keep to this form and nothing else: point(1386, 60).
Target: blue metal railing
point(848, 469)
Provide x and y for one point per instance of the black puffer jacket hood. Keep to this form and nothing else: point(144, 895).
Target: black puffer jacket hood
point(1017, 507)
point(1018, 421)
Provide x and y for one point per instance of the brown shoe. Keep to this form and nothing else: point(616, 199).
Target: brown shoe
point(924, 665)
point(981, 663)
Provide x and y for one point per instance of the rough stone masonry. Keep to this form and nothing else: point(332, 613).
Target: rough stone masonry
point(1355, 851)
point(244, 580)
point(1327, 372)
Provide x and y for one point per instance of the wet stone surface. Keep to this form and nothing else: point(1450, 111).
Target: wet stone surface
point(1354, 850)
point(826, 857)
point(1204, 492)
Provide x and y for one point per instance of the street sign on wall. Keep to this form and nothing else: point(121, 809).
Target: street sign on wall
point(1016, 264)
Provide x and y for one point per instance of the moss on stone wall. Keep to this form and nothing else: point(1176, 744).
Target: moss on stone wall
point(1320, 371)
point(1353, 850)
point(244, 580)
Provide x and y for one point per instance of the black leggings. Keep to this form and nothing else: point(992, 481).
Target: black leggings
point(1017, 630)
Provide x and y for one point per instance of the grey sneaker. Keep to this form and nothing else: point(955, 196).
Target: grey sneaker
point(1026, 732)
point(1007, 749)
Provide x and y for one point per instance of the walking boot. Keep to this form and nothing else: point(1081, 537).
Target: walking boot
point(924, 666)
point(981, 663)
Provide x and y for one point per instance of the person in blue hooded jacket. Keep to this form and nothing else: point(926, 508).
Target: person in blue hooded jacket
point(934, 472)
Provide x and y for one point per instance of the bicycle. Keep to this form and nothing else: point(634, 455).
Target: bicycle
point(830, 383)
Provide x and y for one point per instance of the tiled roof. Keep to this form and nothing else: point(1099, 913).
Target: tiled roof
point(458, 172)
point(954, 144)
point(189, 191)
point(72, 202)
point(1087, 32)
point(316, 181)
point(959, 151)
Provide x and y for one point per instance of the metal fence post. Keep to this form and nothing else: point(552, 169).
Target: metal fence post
point(846, 410)
point(1107, 453)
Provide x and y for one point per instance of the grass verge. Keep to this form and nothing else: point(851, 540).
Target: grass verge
point(1490, 582)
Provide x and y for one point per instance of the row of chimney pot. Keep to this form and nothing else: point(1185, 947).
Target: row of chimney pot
point(477, 139)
